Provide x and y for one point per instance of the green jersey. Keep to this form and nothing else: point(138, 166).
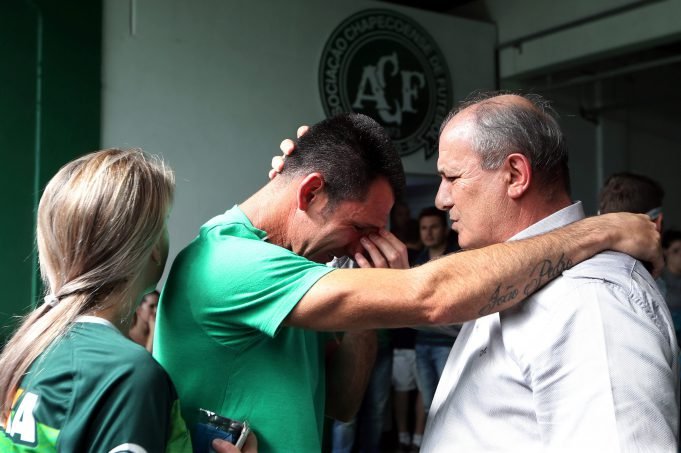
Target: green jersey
point(219, 334)
point(94, 390)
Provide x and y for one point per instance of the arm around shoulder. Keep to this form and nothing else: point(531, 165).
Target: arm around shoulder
point(470, 284)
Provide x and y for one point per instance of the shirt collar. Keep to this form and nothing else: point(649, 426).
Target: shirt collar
point(565, 216)
point(96, 320)
point(237, 214)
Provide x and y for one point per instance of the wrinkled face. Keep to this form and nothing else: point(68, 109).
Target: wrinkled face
point(340, 228)
point(473, 197)
point(433, 231)
point(672, 255)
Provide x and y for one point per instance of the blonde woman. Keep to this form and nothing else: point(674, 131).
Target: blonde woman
point(69, 379)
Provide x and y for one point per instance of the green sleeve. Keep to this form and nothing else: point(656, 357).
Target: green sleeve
point(247, 287)
point(138, 407)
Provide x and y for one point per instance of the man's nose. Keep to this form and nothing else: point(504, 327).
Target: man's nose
point(442, 199)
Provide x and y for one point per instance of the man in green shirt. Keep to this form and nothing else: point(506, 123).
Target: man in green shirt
point(236, 322)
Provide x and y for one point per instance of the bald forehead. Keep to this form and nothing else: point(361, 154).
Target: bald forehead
point(460, 126)
point(457, 140)
point(507, 99)
point(468, 113)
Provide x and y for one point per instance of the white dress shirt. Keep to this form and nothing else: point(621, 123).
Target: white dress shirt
point(587, 364)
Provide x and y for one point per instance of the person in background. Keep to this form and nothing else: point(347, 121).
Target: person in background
point(432, 348)
point(144, 320)
point(631, 192)
point(363, 433)
point(70, 380)
point(406, 229)
point(404, 375)
point(405, 383)
point(670, 280)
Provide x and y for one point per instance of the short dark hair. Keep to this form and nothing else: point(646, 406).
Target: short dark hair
point(629, 192)
point(351, 151)
point(432, 211)
point(670, 236)
point(505, 128)
point(154, 292)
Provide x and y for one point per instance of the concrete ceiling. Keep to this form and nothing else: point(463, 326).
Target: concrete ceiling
point(439, 6)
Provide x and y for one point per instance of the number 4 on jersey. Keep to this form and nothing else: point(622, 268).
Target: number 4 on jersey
point(22, 424)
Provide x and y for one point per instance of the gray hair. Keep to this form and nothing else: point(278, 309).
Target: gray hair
point(505, 128)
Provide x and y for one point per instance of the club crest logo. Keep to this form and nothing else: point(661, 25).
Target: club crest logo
point(385, 65)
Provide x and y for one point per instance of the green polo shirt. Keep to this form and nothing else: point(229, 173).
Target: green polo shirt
point(220, 334)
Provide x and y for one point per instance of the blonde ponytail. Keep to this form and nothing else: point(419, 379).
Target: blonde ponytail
point(98, 220)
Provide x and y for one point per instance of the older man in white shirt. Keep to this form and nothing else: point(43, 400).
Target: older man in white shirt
point(590, 363)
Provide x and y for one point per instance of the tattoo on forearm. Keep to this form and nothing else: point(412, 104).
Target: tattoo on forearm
point(546, 271)
point(541, 273)
point(498, 298)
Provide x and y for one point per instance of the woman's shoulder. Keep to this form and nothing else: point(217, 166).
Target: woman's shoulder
point(100, 352)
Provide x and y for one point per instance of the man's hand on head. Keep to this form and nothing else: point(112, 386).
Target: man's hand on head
point(383, 250)
point(287, 146)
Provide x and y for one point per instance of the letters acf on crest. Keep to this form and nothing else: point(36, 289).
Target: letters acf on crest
point(385, 65)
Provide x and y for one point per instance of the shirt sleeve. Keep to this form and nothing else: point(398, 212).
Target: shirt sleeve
point(137, 411)
point(248, 287)
point(601, 375)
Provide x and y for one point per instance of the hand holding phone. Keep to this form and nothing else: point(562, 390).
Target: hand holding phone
point(211, 426)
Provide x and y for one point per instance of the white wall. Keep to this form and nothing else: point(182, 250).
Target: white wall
point(215, 85)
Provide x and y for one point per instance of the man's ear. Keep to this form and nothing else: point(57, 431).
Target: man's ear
point(309, 190)
point(519, 174)
point(658, 222)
